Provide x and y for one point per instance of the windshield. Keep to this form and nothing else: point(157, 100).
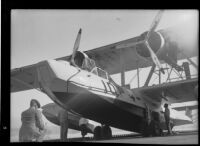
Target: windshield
point(99, 72)
point(84, 62)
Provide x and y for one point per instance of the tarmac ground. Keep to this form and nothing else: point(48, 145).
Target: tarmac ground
point(176, 139)
point(187, 137)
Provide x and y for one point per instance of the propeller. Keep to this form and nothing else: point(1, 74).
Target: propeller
point(154, 24)
point(152, 29)
point(145, 41)
point(76, 46)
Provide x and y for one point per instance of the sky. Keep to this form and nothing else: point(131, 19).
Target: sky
point(37, 35)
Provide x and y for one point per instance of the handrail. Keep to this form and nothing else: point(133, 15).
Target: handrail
point(93, 88)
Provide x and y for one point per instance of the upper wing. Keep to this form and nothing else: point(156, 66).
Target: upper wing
point(24, 78)
point(180, 91)
point(108, 57)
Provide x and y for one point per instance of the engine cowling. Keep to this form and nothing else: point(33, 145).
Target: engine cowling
point(156, 42)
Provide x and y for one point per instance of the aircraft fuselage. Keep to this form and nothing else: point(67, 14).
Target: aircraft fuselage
point(90, 95)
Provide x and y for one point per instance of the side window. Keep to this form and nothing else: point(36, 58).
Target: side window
point(132, 97)
point(138, 98)
point(102, 73)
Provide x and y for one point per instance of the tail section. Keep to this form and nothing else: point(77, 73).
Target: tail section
point(188, 108)
point(188, 111)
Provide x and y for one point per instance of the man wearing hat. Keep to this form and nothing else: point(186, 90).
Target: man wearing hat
point(167, 118)
point(32, 123)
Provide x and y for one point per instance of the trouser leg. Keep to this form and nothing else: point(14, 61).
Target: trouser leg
point(168, 127)
point(63, 131)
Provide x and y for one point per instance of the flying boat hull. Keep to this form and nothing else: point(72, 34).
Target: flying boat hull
point(79, 90)
point(75, 92)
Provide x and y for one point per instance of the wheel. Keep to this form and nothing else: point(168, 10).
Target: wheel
point(106, 132)
point(97, 133)
point(83, 130)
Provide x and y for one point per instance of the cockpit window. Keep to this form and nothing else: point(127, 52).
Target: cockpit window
point(99, 72)
point(84, 62)
point(102, 73)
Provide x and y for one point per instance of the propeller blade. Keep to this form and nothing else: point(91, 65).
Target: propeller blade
point(154, 58)
point(154, 24)
point(76, 45)
point(152, 28)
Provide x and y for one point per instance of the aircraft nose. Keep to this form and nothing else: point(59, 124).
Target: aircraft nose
point(62, 69)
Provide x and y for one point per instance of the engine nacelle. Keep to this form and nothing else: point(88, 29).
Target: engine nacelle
point(156, 42)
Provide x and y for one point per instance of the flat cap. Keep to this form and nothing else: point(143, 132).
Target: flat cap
point(36, 101)
point(165, 105)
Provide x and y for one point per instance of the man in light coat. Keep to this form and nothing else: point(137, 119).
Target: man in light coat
point(32, 128)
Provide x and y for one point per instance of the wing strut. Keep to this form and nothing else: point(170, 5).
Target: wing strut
point(150, 75)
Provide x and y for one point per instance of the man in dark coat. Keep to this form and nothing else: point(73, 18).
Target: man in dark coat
point(167, 119)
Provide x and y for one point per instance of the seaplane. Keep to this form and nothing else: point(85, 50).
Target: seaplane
point(81, 83)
